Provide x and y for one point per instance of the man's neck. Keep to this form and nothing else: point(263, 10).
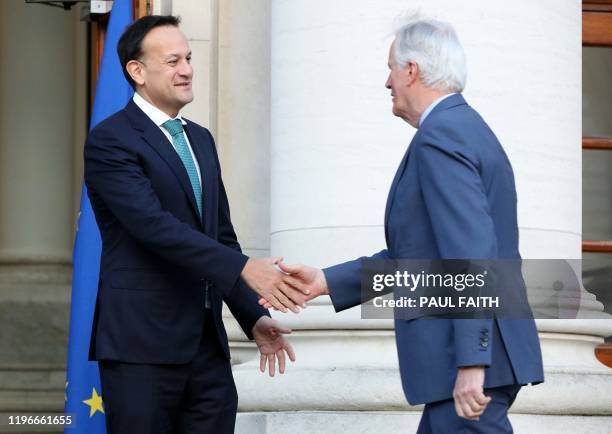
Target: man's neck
point(170, 112)
point(428, 97)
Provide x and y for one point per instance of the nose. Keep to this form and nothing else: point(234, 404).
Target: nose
point(388, 83)
point(186, 70)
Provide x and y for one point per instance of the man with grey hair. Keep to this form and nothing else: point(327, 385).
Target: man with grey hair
point(453, 197)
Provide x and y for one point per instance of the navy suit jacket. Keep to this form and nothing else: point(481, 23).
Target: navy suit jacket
point(453, 197)
point(158, 255)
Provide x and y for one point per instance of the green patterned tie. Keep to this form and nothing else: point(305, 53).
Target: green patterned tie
point(175, 128)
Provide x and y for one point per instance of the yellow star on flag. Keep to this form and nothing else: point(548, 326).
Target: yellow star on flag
point(94, 403)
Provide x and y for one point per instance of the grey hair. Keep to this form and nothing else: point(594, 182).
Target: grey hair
point(435, 47)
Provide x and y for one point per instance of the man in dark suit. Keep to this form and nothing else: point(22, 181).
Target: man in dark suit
point(170, 256)
point(453, 197)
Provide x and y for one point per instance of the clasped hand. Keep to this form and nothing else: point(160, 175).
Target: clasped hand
point(286, 289)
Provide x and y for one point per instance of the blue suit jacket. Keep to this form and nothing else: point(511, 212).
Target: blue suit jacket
point(453, 197)
point(157, 253)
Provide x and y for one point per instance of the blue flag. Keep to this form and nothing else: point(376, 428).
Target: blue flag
point(83, 391)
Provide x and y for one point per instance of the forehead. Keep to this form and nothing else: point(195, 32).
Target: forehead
point(165, 40)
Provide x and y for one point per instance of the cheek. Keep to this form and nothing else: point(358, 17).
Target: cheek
point(393, 82)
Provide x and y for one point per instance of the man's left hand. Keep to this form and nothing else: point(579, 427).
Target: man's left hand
point(268, 334)
point(470, 400)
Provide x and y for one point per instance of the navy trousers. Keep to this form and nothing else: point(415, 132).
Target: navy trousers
point(441, 418)
point(196, 397)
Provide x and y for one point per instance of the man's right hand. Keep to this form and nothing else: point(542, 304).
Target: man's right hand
point(262, 277)
point(470, 400)
point(307, 282)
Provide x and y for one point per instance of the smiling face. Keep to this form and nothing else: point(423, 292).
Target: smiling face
point(163, 74)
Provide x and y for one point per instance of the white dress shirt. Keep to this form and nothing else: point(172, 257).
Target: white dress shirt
point(159, 117)
point(432, 106)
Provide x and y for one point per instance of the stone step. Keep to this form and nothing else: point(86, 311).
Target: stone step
point(32, 388)
point(16, 401)
point(5, 428)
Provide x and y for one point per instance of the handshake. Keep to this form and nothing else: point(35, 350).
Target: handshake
point(286, 289)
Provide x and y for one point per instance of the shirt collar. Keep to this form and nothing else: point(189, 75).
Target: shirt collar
point(432, 106)
point(156, 115)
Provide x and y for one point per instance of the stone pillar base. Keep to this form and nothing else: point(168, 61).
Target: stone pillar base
point(400, 422)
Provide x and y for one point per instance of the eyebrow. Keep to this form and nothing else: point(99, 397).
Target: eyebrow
point(176, 55)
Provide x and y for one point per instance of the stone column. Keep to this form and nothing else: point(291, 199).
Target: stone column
point(36, 134)
point(243, 136)
point(244, 119)
point(334, 149)
point(37, 81)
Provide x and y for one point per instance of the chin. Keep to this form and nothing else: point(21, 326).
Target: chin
point(187, 94)
point(185, 99)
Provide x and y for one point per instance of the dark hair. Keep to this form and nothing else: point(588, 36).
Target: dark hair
point(130, 43)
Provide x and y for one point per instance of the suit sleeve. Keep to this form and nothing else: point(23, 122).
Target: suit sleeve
point(344, 281)
point(242, 301)
point(114, 176)
point(459, 212)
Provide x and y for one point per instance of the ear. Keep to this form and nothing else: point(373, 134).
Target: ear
point(413, 72)
point(136, 71)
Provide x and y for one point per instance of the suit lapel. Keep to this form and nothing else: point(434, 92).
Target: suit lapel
point(152, 135)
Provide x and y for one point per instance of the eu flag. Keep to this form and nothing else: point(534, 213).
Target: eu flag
point(83, 392)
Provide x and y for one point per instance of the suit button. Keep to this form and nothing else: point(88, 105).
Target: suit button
point(484, 344)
